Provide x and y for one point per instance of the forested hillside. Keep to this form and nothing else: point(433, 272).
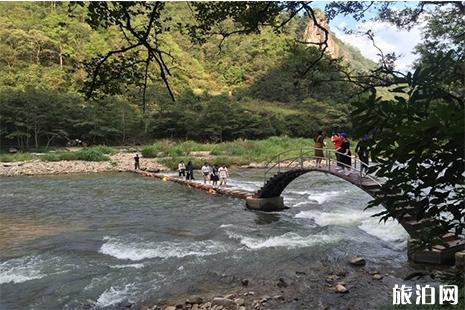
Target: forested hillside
point(245, 87)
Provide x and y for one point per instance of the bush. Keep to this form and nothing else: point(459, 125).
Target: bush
point(91, 155)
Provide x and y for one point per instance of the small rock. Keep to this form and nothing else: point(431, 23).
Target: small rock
point(358, 261)
point(377, 276)
point(300, 273)
point(282, 283)
point(278, 297)
point(341, 273)
point(179, 306)
point(195, 307)
point(249, 293)
point(239, 301)
point(241, 308)
point(341, 289)
point(7, 165)
point(226, 303)
point(245, 282)
point(194, 300)
point(12, 150)
point(331, 278)
point(230, 296)
point(170, 308)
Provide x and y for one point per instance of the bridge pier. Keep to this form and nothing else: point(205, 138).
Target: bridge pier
point(265, 204)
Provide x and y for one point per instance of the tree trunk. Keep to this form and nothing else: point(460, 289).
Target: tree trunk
point(61, 57)
point(36, 135)
point(49, 141)
point(124, 127)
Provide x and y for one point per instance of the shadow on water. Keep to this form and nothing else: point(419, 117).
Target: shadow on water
point(264, 218)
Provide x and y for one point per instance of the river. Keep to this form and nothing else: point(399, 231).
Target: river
point(102, 240)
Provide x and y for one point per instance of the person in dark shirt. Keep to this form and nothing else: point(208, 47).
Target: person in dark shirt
point(136, 162)
point(363, 153)
point(345, 154)
point(214, 175)
point(189, 171)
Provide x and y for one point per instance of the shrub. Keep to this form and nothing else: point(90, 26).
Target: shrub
point(91, 155)
point(150, 151)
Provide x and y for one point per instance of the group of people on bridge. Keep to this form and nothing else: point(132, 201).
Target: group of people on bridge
point(343, 153)
point(211, 174)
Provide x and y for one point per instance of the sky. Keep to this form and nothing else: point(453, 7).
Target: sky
point(387, 37)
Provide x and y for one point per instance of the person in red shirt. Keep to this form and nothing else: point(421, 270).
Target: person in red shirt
point(337, 141)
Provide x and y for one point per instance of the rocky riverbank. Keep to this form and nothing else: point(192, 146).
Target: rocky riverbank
point(117, 162)
point(352, 285)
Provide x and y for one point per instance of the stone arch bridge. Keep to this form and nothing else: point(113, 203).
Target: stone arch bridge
point(289, 165)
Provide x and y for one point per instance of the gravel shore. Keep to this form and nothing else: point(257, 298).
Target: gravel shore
point(117, 162)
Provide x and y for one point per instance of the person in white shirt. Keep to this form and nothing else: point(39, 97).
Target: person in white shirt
point(224, 174)
point(182, 169)
point(206, 173)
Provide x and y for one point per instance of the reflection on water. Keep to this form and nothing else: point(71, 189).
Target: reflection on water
point(14, 231)
point(99, 240)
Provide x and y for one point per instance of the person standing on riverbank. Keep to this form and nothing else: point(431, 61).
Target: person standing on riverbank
point(224, 174)
point(136, 162)
point(190, 171)
point(182, 169)
point(206, 173)
point(319, 144)
point(363, 153)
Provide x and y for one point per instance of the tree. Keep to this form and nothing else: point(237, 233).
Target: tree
point(418, 141)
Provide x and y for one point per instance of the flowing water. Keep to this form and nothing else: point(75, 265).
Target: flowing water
point(99, 241)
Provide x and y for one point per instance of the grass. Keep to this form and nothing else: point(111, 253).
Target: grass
point(238, 152)
point(15, 157)
point(244, 148)
point(86, 154)
point(270, 107)
point(95, 153)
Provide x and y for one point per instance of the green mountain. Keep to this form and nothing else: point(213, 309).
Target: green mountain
point(249, 88)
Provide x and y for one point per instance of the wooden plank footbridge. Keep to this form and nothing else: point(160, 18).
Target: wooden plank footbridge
point(287, 166)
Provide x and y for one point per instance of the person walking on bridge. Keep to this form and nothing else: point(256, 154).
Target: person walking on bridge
point(190, 171)
point(337, 141)
point(182, 169)
point(345, 154)
point(363, 153)
point(214, 178)
point(206, 173)
point(319, 144)
point(224, 174)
